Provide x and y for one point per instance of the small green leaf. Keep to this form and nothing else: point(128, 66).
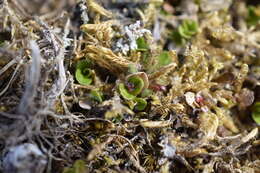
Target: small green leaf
point(78, 167)
point(140, 104)
point(84, 75)
point(256, 117)
point(252, 17)
point(96, 95)
point(124, 92)
point(136, 85)
point(256, 113)
point(145, 58)
point(191, 26)
point(177, 38)
point(132, 68)
point(146, 93)
point(164, 59)
point(185, 31)
point(188, 28)
point(141, 44)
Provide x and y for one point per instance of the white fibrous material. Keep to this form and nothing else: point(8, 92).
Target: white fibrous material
point(124, 48)
point(168, 149)
point(84, 14)
point(25, 158)
point(33, 79)
point(132, 33)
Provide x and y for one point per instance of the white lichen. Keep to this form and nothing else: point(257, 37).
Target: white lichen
point(131, 34)
point(120, 46)
point(84, 13)
point(168, 149)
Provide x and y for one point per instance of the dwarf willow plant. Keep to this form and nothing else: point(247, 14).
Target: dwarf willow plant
point(256, 113)
point(84, 75)
point(185, 31)
point(134, 86)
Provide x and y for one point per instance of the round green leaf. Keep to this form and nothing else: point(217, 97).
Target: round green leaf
point(132, 68)
point(256, 117)
point(164, 59)
point(256, 113)
point(142, 44)
point(183, 32)
point(136, 85)
point(83, 74)
point(140, 104)
point(192, 26)
point(177, 38)
point(124, 93)
point(146, 93)
point(188, 28)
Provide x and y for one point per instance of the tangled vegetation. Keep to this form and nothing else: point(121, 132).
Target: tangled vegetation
point(129, 86)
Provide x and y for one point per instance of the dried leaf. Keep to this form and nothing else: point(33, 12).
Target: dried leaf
point(98, 9)
point(162, 71)
point(155, 124)
point(226, 119)
point(190, 98)
point(209, 123)
point(107, 59)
